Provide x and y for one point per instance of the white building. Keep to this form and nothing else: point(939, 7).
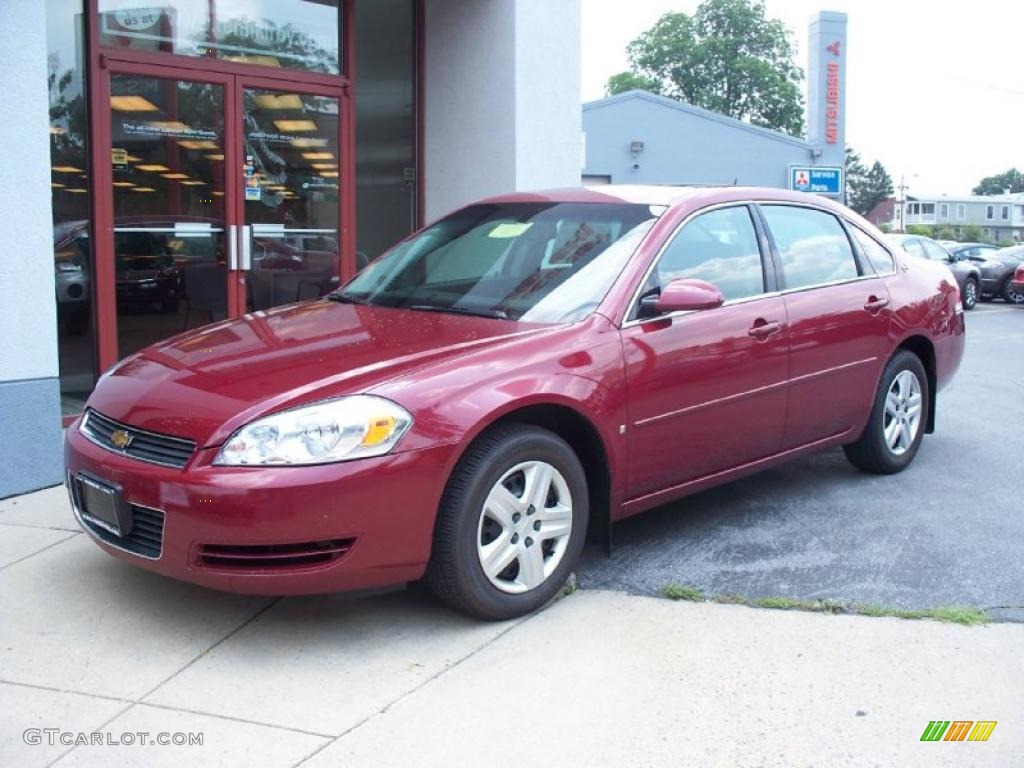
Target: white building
point(1001, 217)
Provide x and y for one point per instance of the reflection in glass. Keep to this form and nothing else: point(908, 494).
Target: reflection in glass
point(291, 172)
point(385, 126)
point(72, 257)
point(291, 34)
point(168, 168)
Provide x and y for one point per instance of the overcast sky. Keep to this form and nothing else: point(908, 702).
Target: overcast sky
point(931, 90)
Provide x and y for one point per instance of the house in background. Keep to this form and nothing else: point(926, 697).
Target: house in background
point(1001, 217)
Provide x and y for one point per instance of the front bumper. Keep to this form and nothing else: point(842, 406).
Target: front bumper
point(383, 508)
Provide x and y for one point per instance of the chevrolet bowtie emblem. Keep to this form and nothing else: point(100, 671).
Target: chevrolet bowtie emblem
point(121, 439)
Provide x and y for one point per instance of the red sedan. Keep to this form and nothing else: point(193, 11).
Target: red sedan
point(525, 369)
point(1017, 282)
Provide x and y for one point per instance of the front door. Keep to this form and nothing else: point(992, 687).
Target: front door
point(707, 390)
point(224, 197)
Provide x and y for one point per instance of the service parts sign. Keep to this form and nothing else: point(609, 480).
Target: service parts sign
point(819, 179)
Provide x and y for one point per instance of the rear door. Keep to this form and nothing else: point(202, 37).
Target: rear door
point(707, 389)
point(839, 315)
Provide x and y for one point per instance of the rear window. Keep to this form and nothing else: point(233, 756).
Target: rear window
point(812, 246)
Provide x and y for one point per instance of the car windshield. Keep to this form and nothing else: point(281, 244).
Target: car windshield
point(534, 262)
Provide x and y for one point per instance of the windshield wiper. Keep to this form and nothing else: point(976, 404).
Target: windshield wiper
point(494, 314)
point(344, 298)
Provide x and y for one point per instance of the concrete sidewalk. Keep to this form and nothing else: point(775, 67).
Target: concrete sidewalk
point(599, 679)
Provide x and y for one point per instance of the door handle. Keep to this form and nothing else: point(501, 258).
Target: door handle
point(761, 329)
point(233, 247)
point(246, 248)
point(874, 304)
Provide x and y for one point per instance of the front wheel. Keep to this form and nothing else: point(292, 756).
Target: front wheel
point(970, 293)
point(894, 431)
point(511, 524)
point(1009, 295)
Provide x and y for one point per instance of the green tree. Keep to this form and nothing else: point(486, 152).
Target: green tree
point(945, 233)
point(1012, 180)
point(630, 81)
point(925, 230)
point(865, 187)
point(727, 57)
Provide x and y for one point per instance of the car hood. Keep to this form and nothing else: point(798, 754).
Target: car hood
point(206, 383)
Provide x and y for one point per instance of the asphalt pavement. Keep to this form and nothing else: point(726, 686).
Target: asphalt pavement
point(948, 530)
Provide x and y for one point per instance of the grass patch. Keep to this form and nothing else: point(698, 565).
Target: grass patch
point(952, 614)
point(794, 604)
point(682, 592)
point(731, 599)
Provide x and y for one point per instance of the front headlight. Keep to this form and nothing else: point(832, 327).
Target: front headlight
point(331, 430)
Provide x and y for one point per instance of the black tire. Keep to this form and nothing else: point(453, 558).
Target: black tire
point(1009, 295)
point(971, 293)
point(870, 452)
point(455, 574)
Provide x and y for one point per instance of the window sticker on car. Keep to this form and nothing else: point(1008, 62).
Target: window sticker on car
point(509, 229)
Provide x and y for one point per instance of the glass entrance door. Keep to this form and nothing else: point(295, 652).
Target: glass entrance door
point(225, 199)
point(291, 170)
point(167, 155)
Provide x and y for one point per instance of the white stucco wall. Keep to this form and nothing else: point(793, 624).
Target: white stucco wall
point(28, 342)
point(501, 98)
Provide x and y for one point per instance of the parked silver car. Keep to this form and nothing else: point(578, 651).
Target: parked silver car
point(967, 275)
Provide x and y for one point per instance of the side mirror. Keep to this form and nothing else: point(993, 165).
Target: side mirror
point(683, 295)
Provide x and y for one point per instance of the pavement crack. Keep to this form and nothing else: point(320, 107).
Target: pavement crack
point(142, 699)
point(71, 535)
point(423, 684)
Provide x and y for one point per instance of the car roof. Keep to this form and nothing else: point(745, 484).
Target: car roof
point(667, 195)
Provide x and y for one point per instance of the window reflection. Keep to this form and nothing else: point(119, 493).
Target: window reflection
point(812, 246)
point(72, 255)
point(291, 172)
point(168, 176)
point(290, 34)
point(719, 247)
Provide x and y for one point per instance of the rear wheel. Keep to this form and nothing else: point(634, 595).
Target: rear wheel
point(970, 293)
point(511, 523)
point(896, 427)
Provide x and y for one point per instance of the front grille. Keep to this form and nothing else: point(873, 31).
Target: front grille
point(270, 556)
point(146, 538)
point(144, 446)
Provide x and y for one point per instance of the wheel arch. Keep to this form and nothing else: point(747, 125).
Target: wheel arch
point(924, 349)
point(585, 439)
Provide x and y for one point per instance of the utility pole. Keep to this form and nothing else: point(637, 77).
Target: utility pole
point(903, 187)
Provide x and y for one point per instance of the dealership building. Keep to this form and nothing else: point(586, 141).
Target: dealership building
point(642, 138)
point(177, 162)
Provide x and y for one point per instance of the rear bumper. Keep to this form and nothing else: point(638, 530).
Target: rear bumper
point(382, 508)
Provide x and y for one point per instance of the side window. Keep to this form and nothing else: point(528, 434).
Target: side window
point(880, 258)
point(719, 247)
point(935, 251)
point(914, 248)
point(812, 246)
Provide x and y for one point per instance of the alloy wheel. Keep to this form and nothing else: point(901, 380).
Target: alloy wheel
point(903, 411)
point(970, 294)
point(524, 527)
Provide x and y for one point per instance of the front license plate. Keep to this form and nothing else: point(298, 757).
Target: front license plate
point(102, 505)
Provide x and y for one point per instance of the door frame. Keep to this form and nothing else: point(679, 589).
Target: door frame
point(104, 61)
